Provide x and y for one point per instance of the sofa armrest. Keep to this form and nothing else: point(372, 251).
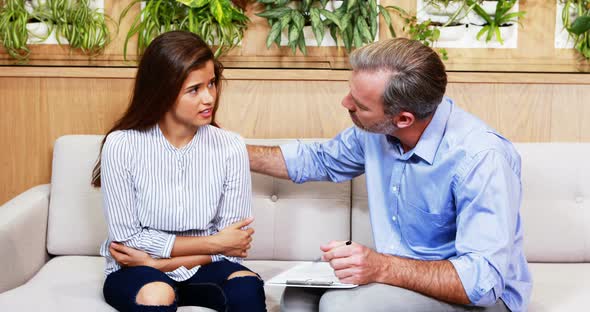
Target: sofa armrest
point(23, 232)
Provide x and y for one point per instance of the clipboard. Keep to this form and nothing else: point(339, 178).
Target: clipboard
point(311, 275)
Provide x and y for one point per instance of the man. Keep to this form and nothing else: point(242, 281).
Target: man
point(443, 189)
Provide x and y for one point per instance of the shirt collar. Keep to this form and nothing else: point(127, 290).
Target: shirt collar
point(432, 136)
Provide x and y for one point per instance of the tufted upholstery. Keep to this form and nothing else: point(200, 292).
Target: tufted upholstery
point(291, 222)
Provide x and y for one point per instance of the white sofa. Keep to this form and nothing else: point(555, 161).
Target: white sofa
point(50, 234)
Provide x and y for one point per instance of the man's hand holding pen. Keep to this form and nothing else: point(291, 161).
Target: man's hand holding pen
point(353, 263)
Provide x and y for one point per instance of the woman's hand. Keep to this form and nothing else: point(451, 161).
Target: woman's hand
point(130, 257)
point(233, 241)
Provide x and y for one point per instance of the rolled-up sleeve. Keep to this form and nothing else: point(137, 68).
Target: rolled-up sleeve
point(336, 160)
point(119, 201)
point(488, 194)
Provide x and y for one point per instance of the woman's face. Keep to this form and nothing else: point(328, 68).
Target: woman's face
point(196, 100)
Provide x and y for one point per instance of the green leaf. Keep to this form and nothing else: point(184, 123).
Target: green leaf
point(221, 10)
point(275, 13)
point(285, 20)
point(373, 20)
point(275, 32)
point(356, 38)
point(499, 35)
point(363, 30)
point(387, 19)
point(345, 20)
point(301, 44)
point(298, 19)
point(306, 4)
point(373, 5)
point(293, 34)
point(193, 3)
point(266, 1)
point(351, 4)
point(332, 17)
point(580, 25)
point(316, 25)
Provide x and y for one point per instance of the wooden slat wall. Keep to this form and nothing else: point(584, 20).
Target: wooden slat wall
point(38, 105)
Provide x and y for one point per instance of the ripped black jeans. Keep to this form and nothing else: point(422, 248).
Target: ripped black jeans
point(209, 287)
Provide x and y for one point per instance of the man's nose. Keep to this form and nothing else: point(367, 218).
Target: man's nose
point(347, 103)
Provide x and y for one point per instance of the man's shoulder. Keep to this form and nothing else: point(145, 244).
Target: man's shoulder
point(472, 136)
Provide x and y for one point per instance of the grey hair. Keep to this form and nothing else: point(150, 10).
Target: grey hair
point(418, 78)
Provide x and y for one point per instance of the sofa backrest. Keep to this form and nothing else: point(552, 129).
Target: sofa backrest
point(555, 206)
point(291, 221)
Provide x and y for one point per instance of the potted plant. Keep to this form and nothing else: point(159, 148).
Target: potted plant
point(502, 17)
point(77, 24)
point(218, 22)
point(576, 20)
point(353, 22)
point(13, 29)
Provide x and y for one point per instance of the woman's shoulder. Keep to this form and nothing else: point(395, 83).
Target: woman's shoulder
point(225, 137)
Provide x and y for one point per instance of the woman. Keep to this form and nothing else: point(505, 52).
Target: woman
point(177, 190)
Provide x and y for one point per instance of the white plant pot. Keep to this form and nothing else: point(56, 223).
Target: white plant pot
point(38, 30)
point(451, 33)
point(38, 34)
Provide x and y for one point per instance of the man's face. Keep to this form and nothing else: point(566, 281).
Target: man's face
point(365, 102)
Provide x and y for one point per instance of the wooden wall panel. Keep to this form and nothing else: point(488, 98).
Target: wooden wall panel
point(23, 136)
point(284, 109)
point(37, 105)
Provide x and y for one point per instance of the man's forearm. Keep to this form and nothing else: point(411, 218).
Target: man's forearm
point(267, 160)
point(437, 279)
point(189, 262)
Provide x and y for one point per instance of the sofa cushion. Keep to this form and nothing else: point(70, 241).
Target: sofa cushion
point(76, 221)
point(560, 287)
point(291, 221)
point(74, 283)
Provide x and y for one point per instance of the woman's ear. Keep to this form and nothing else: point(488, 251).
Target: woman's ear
point(404, 120)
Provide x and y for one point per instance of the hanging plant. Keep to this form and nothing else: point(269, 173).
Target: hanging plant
point(578, 25)
point(354, 22)
point(217, 22)
point(77, 24)
point(13, 29)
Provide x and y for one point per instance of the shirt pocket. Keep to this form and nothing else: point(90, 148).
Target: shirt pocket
point(427, 233)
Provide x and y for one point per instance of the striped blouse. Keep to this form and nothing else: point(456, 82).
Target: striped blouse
point(154, 191)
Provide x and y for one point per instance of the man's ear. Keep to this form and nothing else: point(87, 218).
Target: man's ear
point(404, 120)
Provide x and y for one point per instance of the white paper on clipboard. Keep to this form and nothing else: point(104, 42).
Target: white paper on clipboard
point(310, 274)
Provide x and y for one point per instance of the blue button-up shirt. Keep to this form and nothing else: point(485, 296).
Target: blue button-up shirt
point(455, 196)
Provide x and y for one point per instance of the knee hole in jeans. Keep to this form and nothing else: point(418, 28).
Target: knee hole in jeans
point(155, 294)
point(242, 274)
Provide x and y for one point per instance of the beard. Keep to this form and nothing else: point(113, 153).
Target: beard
point(384, 126)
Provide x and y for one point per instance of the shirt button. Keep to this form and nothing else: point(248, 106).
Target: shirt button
point(393, 218)
point(274, 198)
point(394, 188)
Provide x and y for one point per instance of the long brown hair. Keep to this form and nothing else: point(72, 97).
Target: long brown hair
point(165, 64)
